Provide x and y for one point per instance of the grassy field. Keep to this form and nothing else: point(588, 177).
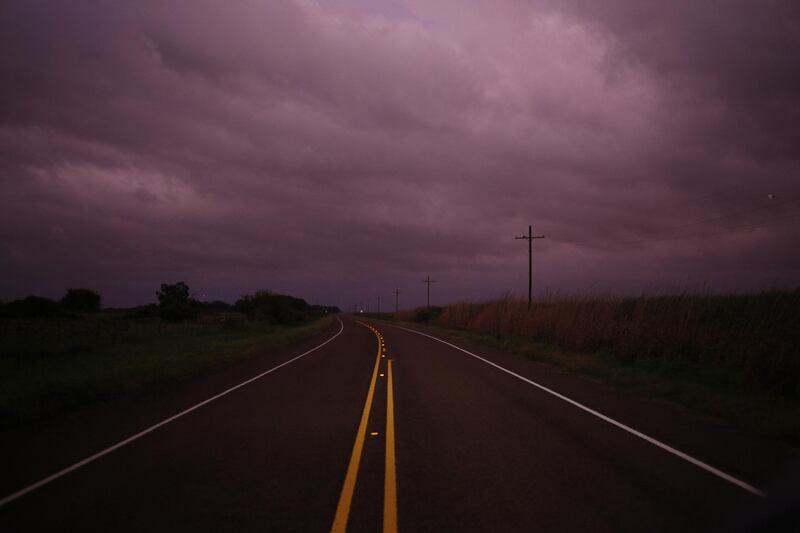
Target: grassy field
point(735, 357)
point(55, 365)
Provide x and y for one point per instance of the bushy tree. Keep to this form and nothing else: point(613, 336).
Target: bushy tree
point(81, 300)
point(173, 302)
point(173, 294)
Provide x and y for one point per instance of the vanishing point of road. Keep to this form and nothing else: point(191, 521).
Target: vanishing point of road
point(370, 426)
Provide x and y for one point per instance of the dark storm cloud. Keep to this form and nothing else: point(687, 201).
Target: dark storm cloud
point(339, 149)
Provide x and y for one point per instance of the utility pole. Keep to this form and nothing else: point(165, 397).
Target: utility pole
point(379, 304)
point(396, 300)
point(530, 238)
point(428, 280)
point(368, 299)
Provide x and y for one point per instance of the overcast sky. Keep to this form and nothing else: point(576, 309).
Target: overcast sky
point(336, 150)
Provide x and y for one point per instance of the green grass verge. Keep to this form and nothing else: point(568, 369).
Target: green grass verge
point(705, 390)
point(63, 376)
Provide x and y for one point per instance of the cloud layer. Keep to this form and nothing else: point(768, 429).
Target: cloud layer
point(339, 149)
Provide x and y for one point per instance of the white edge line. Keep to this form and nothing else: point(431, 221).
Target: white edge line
point(686, 457)
point(120, 444)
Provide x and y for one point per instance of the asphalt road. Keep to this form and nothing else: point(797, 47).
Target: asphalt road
point(384, 428)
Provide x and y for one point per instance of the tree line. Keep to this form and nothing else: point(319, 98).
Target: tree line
point(174, 303)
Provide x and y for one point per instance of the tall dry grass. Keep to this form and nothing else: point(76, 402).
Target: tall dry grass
point(757, 336)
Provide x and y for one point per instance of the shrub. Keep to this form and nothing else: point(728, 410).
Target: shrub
point(275, 308)
point(177, 312)
point(232, 323)
point(143, 311)
point(216, 305)
point(32, 307)
point(81, 300)
point(427, 314)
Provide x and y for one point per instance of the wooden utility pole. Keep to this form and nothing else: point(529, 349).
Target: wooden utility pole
point(396, 300)
point(530, 238)
point(428, 280)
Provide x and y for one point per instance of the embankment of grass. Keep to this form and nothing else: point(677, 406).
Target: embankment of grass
point(731, 357)
point(703, 390)
point(72, 368)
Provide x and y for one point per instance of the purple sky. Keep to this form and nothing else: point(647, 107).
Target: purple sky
point(337, 149)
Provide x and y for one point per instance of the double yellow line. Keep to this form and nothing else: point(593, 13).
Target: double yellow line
point(390, 477)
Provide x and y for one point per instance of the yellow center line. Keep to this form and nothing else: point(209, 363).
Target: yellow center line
point(346, 497)
point(390, 479)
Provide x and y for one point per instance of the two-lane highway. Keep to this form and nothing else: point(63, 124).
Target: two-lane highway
point(371, 426)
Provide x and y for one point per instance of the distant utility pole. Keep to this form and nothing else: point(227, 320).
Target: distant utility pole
point(368, 299)
point(396, 300)
point(379, 304)
point(530, 238)
point(428, 280)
